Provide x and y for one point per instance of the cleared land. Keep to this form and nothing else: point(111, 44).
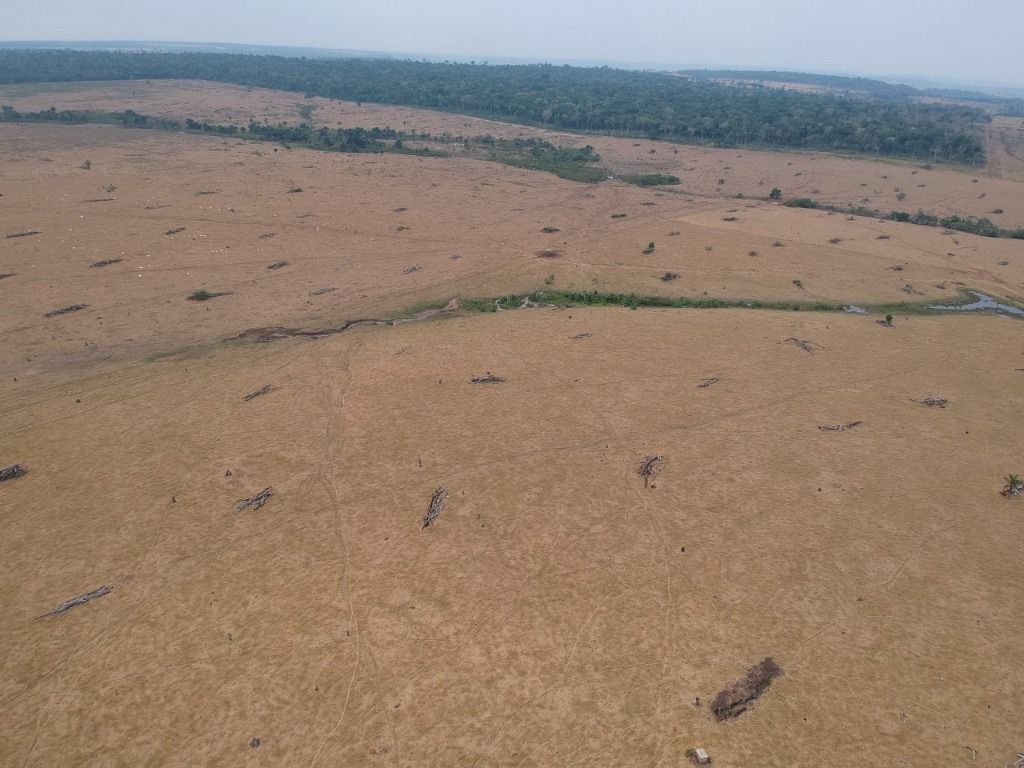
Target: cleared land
point(557, 611)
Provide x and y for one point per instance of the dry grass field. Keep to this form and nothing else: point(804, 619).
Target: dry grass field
point(562, 610)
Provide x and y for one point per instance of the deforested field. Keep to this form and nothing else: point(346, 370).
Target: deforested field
point(327, 459)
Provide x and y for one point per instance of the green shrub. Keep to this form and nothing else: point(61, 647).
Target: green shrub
point(801, 202)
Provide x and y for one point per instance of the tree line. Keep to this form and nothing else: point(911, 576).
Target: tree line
point(648, 104)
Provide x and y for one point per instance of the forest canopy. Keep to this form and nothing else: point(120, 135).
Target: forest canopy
point(649, 104)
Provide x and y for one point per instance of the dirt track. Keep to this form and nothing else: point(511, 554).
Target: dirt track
point(557, 612)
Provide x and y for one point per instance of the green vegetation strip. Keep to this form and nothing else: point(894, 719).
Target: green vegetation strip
point(635, 301)
point(571, 163)
point(970, 224)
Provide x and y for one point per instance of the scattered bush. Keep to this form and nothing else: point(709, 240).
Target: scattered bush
point(204, 295)
point(801, 202)
point(1014, 486)
point(651, 179)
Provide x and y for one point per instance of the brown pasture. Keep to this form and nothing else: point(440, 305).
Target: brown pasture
point(557, 612)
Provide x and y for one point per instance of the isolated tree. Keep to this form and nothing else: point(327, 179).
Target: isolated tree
point(775, 194)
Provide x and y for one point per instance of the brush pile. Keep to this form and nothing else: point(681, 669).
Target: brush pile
point(840, 427)
point(437, 502)
point(67, 605)
point(11, 472)
point(254, 502)
point(649, 467)
point(734, 700)
point(488, 378)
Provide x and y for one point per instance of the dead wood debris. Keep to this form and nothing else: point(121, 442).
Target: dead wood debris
point(157, 207)
point(11, 472)
point(410, 270)
point(734, 700)
point(66, 310)
point(668, 277)
point(268, 235)
point(278, 265)
point(579, 336)
point(254, 502)
point(276, 333)
point(933, 402)
point(805, 345)
point(709, 382)
point(649, 467)
point(24, 234)
point(106, 262)
point(202, 192)
point(488, 378)
point(99, 200)
point(256, 393)
point(550, 230)
point(437, 502)
point(74, 602)
point(322, 291)
point(174, 231)
point(548, 253)
point(7, 274)
point(840, 427)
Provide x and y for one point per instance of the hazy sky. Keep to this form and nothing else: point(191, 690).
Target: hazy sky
point(969, 40)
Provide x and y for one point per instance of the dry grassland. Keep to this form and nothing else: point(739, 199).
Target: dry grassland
point(557, 612)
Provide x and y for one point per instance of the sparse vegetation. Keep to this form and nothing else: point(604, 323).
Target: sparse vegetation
point(1014, 486)
point(204, 295)
point(651, 179)
point(801, 202)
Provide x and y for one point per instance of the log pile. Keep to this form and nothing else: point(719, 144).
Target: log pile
point(437, 502)
point(734, 700)
point(67, 605)
point(254, 502)
point(11, 472)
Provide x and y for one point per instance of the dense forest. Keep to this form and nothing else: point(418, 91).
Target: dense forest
point(655, 105)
